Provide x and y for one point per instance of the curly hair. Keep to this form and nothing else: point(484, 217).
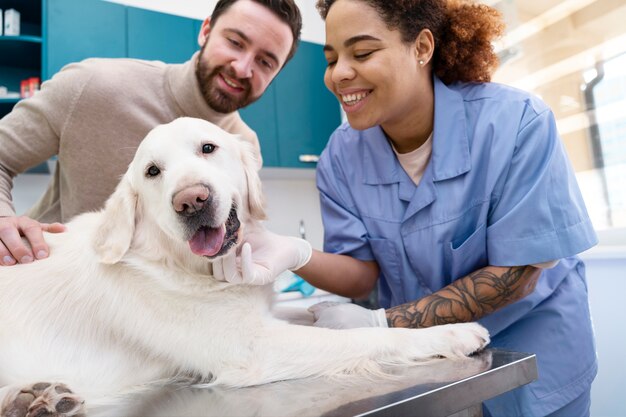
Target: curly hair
point(463, 31)
point(285, 10)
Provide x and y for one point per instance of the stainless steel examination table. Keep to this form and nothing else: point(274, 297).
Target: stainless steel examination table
point(442, 388)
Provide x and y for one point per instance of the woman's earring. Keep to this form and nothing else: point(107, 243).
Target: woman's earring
point(421, 62)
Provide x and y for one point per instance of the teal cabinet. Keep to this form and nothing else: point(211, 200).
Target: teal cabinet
point(297, 114)
point(197, 25)
point(293, 119)
point(55, 33)
point(79, 29)
point(306, 112)
point(58, 32)
point(159, 36)
point(261, 117)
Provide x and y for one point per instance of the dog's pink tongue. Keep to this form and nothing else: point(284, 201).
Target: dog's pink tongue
point(207, 241)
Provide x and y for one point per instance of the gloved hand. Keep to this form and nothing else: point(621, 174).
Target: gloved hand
point(263, 257)
point(335, 315)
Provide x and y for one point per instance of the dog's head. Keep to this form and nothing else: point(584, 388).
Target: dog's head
point(190, 183)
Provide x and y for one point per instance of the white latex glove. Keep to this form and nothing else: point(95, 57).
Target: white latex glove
point(263, 257)
point(335, 315)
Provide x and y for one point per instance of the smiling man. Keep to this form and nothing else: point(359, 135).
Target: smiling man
point(242, 51)
point(93, 114)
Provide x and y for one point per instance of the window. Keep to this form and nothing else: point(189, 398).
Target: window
point(572, 54)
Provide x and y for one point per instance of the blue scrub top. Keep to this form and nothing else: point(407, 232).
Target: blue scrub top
point(498, 190)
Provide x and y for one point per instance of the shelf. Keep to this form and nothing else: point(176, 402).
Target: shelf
point(6, 105)
point(20, 51)
point(21, 38)
point(9, 100)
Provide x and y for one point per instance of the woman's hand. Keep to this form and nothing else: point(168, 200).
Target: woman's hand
point(334, 315)
point(263, 257)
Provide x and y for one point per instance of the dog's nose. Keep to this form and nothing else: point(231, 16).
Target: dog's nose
point(191, 200)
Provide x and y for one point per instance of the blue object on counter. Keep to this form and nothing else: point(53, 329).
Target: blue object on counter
point(301, 285)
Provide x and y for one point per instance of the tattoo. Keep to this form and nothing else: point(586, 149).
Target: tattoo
point(467, 299)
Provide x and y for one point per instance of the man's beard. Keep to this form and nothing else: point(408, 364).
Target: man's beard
point(219, 100)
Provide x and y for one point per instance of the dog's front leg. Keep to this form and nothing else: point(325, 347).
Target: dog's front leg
point(282, 351)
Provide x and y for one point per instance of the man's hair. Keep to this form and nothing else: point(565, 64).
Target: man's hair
point(285, 10)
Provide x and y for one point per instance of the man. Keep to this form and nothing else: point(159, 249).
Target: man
point(93, 114)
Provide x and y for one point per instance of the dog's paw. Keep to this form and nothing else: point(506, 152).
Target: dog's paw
point(43, 400)
point(463, 339)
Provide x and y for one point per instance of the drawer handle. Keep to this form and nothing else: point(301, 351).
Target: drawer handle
point(309, 158)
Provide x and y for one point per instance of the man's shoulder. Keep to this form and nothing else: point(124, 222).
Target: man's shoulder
point(121, 63)
point(119, 70)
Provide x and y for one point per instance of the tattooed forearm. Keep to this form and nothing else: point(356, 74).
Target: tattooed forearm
point(467, 299)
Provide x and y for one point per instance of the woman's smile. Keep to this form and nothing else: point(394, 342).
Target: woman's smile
point(354, 101)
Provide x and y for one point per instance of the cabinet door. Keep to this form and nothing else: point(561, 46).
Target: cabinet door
point(158, 36)
point(197, 25)
point(306, 112)
point(261, 117)
point(79, 29)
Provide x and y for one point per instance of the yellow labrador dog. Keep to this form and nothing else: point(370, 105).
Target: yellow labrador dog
point(127, 296)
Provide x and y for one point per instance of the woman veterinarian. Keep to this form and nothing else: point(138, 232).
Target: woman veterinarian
point(453, 194)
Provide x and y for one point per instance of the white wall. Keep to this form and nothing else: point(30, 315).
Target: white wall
point(291, 196)
point(606, 277)
point(312, 24)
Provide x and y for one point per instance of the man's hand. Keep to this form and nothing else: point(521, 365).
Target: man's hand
point(13, 249)
point(263, 257)
point(334, 315)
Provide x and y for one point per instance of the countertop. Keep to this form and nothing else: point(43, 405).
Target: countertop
point(441, 388)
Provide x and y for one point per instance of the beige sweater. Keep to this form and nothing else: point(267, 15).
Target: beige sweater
point(93, 114)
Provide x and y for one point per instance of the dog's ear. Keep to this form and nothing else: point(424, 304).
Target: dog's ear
point(117, 224)
point(251, 165)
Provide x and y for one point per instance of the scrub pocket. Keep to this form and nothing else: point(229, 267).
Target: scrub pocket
point(386, 255)
point(465, 255)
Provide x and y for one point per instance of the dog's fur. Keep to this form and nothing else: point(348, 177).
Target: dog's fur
point(127, 298)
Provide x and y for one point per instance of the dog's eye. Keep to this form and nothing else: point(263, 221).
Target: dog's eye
point(208, 148)
point(153, 171)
